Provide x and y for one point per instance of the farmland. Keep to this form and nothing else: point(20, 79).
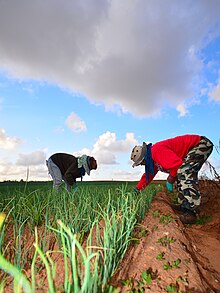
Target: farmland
point(86, 231)
point(102, 237)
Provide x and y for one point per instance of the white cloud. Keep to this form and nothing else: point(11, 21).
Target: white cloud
point(34, 158)
point(30, 166)
point(9, 171)
point(7, 142)
point(75, 123)
point(215, 93)
point(108, 141)
point(181, 108)
point(138, 55)
point(107, 147)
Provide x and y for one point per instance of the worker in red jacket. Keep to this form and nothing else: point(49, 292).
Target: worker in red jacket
point(181, 157)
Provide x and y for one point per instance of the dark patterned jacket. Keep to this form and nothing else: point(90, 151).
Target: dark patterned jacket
point(68, 167)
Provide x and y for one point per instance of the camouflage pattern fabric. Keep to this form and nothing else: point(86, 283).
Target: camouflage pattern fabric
point(187, 174)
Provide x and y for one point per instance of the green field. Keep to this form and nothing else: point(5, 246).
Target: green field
point(86, 232)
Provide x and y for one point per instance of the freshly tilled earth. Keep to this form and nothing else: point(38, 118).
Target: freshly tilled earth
point(176, 257)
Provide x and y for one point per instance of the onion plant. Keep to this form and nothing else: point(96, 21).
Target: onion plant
point(89, 263)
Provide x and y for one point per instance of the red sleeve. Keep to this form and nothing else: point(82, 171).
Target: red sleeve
point(142, 184)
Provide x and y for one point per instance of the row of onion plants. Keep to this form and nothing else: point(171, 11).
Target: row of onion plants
point(91, 226)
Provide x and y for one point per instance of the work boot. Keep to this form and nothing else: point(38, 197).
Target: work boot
point(188, 217)
point(186, 212)
point(176, 207)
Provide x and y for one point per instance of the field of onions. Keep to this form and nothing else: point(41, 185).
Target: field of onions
point(67, 241)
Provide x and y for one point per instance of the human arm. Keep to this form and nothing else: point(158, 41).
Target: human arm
point(142, 184)
point(71, 174)
point(69, 179)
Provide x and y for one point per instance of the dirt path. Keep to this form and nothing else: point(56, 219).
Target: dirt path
point(177, 258)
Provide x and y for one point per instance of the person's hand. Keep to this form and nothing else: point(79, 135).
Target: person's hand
point(75, 188)
point(136, 190)
point(169, 186)
point(169, 182)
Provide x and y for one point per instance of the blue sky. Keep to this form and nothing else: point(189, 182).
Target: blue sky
point(98, 77)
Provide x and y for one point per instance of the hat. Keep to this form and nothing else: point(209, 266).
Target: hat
point(138, 154)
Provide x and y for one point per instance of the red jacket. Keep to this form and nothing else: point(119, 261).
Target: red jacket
point(168, 155)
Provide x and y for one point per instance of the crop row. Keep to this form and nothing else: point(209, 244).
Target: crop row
point(67, 241)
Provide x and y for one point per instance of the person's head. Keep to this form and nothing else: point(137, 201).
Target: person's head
point(138, 154)
point(92, 163)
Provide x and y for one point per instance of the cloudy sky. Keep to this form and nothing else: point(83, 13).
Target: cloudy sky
point(97, 77)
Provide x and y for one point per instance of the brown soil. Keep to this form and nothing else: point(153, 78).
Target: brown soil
point(196, 247)
point(178, 258)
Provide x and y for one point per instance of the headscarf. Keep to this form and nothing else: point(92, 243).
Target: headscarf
point(149, 164)
point(83, 162)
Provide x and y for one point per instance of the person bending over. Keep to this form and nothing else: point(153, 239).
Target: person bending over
point(181, 157)
point(66, 167)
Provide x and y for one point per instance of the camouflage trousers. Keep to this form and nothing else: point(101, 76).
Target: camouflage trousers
point(187, 174)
